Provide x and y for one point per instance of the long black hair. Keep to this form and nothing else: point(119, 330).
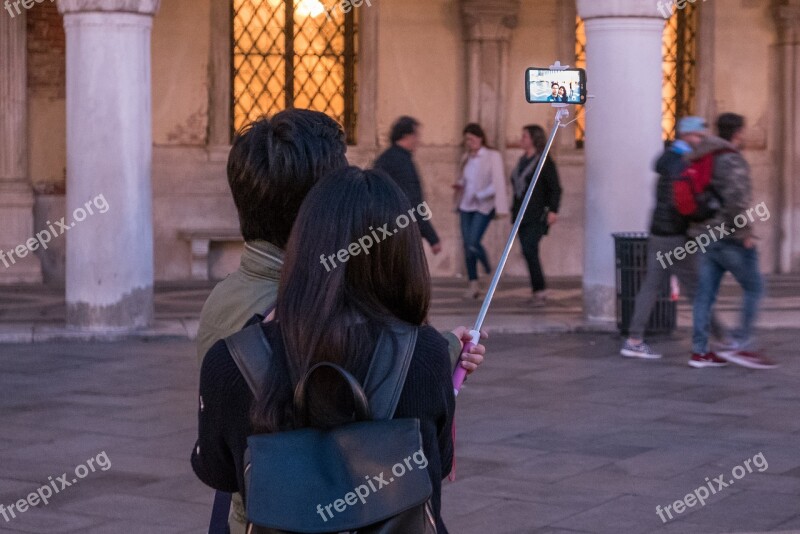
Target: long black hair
point(336, 313)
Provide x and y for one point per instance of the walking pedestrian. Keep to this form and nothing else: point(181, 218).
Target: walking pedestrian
point(480, 195)
point(668, 231)
point(398, 162)
point(735, 252)
point(542, 210)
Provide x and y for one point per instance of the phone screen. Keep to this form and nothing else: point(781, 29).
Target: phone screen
point(555, 86)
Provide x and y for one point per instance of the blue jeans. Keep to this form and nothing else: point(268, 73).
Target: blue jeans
point(473, 226)
point(731, 256)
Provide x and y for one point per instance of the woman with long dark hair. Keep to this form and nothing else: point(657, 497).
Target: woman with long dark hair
point(334, 311)
point(542, 211)
point(480, 195)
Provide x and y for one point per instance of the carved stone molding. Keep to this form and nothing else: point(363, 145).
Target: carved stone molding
point(489, 20)
point(140, 7)
point(787, 19)
point(593, 9)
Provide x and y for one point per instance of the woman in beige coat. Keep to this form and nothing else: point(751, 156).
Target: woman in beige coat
point(481, 196)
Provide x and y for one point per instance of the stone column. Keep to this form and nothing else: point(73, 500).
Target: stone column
point(109, 284)
point(18, 263)
point(220, 82)
point(787, 16)
point(623, 135)
point(488, 27)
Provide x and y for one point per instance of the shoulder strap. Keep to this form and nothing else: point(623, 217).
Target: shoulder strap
point(531, 166)
point(386, 376)
point(253, 355)
point(388, 370)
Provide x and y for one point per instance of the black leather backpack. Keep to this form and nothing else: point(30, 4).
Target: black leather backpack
point(365, 477)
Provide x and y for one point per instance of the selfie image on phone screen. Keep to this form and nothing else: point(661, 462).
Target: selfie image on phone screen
point(556, 86)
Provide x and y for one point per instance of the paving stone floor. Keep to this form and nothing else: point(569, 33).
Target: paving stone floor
point(556, 434)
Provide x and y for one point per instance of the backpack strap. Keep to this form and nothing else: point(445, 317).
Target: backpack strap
point(253, 355)
point(386, 376)
point(388, 369)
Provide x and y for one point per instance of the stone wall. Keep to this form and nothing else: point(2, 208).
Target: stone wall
point(421, 72)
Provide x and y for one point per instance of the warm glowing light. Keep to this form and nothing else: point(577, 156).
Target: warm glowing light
point(316, 47)
point(312, 8)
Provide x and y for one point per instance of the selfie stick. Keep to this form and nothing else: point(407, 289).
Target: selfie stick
point(460, 373)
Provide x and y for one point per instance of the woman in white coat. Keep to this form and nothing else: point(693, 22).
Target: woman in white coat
point(481, 195)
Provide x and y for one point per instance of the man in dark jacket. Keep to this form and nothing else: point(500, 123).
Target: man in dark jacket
point(733, 248)
point(668, 231)
point(398, 163)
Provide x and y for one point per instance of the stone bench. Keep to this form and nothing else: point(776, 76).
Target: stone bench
point(200, 243)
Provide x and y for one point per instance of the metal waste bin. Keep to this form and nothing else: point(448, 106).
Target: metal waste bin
point(631, 258)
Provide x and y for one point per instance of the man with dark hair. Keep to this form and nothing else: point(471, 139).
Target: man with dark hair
point(268, 187)
point(398, 163)
point(733, 249)
point(554, 95)
point(268, 182)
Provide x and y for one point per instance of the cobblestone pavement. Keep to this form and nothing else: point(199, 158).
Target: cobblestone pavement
point(556, 434)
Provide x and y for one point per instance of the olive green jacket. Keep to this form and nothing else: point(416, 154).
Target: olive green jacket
point(250, 290)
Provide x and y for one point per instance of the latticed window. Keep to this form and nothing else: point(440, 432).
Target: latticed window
point(679, 46)
point(293, 54)
point(680, 50)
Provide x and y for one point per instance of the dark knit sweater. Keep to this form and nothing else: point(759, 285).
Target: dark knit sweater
point(225, 401)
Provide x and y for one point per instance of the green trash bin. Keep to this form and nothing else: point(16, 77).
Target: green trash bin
point(631, 259)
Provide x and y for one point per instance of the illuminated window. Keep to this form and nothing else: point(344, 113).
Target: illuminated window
point(293, 54)
point(580, 62)
point(679, 47)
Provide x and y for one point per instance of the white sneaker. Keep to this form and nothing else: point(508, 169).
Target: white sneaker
point(640, 350)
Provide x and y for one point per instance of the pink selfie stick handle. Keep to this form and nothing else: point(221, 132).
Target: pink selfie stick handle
point(460, 373)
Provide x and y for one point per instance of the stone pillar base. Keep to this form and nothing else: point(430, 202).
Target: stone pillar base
point(132, 312)
point(600, 303)
point(18, 262)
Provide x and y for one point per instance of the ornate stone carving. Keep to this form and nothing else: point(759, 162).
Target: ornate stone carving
point(143, 7)
point(489, 20)
point(787, 18)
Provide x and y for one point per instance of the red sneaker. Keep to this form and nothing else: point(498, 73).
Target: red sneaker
point(751, 360)
point(709, 359)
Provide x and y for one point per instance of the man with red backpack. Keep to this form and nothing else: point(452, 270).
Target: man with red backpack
point(668, 231)
point(733, 249)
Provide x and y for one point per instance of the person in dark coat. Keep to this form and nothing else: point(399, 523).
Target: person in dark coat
point(668, 231)
point(542, 211)
point(397, 161)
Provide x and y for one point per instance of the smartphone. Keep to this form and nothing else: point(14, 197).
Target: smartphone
point(546, 86)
